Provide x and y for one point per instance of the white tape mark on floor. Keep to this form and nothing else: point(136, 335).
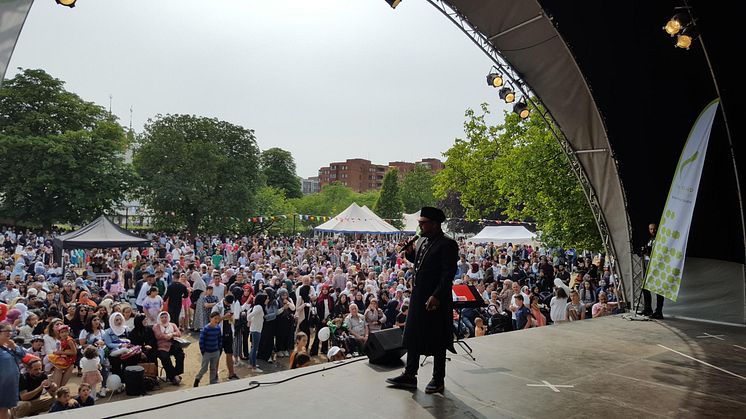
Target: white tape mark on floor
point(703, 362)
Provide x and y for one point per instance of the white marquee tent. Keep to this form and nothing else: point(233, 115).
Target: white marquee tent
point(504, 234)
point(410, 222)
point(357, 219)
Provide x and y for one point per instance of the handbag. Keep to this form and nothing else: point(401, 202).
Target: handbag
point(132, 351)
point(151, 369)
point(181, 342)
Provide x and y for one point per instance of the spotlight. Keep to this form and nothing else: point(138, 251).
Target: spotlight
point(68, 3)
point(507, 94)
point(393, 3)
point(494, 80)
point(677, 22)
point(521, 109)
point(685, 38)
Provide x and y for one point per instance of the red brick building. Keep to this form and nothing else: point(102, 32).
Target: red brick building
point(361, 175)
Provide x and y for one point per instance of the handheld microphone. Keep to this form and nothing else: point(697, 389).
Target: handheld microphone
point(411, 242)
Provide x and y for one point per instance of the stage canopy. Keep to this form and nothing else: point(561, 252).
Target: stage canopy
point(504, 234)
point(357, 219)
point(100, 234)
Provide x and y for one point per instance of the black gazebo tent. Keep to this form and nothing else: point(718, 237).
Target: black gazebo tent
point(101, 233)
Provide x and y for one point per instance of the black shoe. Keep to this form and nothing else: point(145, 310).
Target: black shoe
point(196, 383)
point(403, 381)
point(657, 316)
point(435, 386)
point(233, 377)
point(645, 313)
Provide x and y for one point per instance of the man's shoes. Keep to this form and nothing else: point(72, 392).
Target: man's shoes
point(435, 386)
point(403, 381)
point(196, 383)
point(645, 313)
point(657, 316)
point(233, 377)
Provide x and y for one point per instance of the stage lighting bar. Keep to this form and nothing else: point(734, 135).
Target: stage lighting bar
point(393, 3)
point(68, 3)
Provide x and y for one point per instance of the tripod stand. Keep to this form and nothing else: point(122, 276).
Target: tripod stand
point(460, 342)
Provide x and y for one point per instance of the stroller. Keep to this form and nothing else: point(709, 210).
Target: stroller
point(497, 321)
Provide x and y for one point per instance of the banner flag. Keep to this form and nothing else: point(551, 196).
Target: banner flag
point(669, 250)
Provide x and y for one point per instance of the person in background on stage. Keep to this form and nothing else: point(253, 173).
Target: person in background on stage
point(647, 250)
point(428, 331)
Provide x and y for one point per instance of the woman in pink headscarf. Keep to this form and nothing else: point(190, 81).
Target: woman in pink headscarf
point(3, 312)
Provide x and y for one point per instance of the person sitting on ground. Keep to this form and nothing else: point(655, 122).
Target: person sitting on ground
point(36, 390)
point(84, 397)
point(64, 401)
point(603, 307)
point(522, 313)
point(301, 340)
point(479, 328)
point(335, 353)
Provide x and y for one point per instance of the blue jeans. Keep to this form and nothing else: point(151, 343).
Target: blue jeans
point(255, 338)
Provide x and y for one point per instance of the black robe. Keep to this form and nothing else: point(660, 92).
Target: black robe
point(431, 332)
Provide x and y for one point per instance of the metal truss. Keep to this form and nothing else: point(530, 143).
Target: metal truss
point(482, 41)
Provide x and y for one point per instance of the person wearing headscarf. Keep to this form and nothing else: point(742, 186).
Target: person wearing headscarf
point(284, 327)
point(391, 311)
point(269, 329)
point(324, 309)
point(165, 332)
point(19, 269)
point(3, 311)
point(144, 336)
point(84, 298)
point(117, 337)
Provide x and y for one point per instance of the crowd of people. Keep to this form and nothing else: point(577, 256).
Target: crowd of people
point(249, 300)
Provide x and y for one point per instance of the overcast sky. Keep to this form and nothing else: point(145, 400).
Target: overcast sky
point(327, 80)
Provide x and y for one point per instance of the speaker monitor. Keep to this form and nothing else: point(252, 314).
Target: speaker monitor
point(385, 346)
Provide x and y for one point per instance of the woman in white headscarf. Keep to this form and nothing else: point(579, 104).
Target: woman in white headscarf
point(116, 338)
point(165, 332)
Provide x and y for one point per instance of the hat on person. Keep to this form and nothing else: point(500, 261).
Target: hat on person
point(432, 213)
point(401, 287)
point(333, 351)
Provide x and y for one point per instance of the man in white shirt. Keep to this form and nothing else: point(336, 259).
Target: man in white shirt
point(513, 306)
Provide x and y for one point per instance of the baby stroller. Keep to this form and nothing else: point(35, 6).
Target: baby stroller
point(497, 321)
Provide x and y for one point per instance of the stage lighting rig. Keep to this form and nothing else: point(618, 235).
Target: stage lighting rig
point(68, 3)
point(494, 80)
point(521, 109)
point(393, 3)
point(507, 94)
point(682, 24)
point(678, 22)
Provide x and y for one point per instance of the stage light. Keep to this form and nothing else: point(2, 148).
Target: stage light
point(521, 109)
point(494, 80)
point(507, 94)
point(685, 38)
point(677, 22)
point(68, 3)
point(393, 3)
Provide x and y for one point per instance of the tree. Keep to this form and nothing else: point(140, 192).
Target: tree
point(271, 205)
point(333, 199)
point(278, 169)
point(389, 205)
point(201, 172)
point(64, 156)
point(417, 189)
point(519, 168)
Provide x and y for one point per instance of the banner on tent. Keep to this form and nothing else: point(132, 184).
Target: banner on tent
point(669, 250)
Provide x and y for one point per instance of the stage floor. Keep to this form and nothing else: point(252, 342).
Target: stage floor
point(607, 367)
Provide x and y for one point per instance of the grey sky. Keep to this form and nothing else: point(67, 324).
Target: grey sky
point(326, 80)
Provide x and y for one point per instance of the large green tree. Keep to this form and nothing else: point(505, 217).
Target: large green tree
point(389, 205)
point(271, 205)
point(278, 169)
point(519, 168)
point(333, 199)
point(64, 157)
point(200, 172)
point(417, 189)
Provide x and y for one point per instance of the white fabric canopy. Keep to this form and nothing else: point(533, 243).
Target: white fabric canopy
point(410, 222)
point(357, 219)
point(504, 234)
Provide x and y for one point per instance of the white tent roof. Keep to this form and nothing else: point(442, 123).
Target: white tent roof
point(410, 222)
point(504, 234)
point(357, 219)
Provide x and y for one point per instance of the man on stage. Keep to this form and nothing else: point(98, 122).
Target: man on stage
point(428, 330)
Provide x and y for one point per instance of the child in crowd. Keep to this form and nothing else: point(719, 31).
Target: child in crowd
point(90, 365)
point(63, 401)
point(210, 344)
point(301, 339)
point(84, 397)
point(479, 328)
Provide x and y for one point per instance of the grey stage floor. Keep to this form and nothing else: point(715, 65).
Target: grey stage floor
point(601, 368)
